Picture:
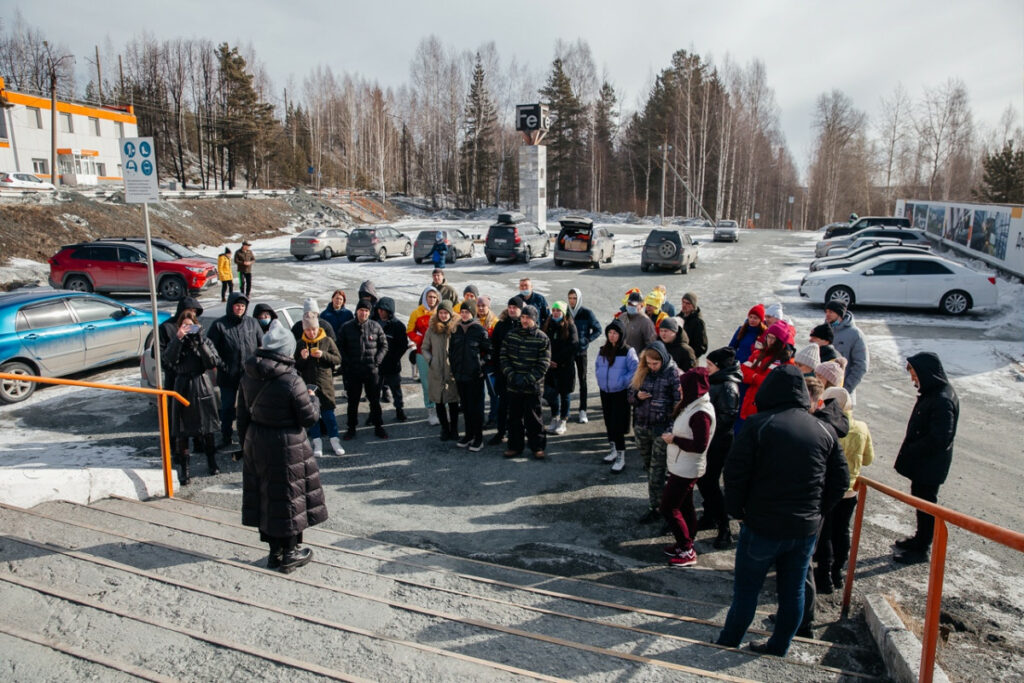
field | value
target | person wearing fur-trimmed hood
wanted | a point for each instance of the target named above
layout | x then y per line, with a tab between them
316	355
444	393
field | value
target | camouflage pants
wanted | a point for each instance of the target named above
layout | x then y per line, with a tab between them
652	450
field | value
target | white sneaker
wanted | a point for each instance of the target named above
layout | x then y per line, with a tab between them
620	462
432	419
560	428
583	417
553	426
336	446
318	448
612	455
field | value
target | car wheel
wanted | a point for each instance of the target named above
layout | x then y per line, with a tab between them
78	283
12	390
327	254
841	294
351	257
418	260
408	249
645	267
547	249
527	255
609	259
694	264
955	303
667	249
559	262
382	254
491	258
684	268
453	255
173	288
597	262
299	257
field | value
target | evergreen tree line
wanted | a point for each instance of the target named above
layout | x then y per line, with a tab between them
703	139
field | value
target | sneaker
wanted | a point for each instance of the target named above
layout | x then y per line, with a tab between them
612	455
510	453
336	446
477	445
583	417
620	463
464	441
495	440
553	426
560	428
350	434
318	448
539	455
379	432
686	559
432	419
672	550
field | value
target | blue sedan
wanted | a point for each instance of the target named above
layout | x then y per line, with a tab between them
54	333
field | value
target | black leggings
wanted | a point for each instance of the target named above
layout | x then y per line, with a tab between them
710	489
226	287
616	417
581	375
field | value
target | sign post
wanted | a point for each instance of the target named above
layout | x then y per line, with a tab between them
533	121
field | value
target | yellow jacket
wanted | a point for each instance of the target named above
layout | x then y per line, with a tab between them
224	267
857	447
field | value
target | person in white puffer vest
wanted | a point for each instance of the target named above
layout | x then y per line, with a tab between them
693	424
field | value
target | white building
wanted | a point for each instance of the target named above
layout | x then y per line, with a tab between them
88	148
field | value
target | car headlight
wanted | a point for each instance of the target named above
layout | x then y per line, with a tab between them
197	271
814	282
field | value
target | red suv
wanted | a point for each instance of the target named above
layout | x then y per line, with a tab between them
112	266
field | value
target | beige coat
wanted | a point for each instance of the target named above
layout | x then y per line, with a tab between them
440	379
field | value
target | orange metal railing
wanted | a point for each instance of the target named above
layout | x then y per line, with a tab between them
937	569
161	394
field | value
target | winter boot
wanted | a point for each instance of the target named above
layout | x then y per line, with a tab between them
400	415
211	459
183	477
453	420
612	455
295	558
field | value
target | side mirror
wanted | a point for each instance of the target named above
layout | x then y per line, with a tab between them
869	272
695	243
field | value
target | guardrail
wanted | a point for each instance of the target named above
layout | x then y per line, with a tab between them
161	394
1009	538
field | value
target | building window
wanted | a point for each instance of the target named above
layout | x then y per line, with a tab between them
119	129
94	125
65	123
35	117
41	166
101	169
3	125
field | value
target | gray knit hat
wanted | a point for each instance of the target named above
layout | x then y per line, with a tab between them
278	340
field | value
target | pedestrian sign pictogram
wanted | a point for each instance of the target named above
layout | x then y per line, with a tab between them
138	167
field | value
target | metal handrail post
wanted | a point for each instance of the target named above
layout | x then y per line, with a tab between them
165	447
930	638
862	496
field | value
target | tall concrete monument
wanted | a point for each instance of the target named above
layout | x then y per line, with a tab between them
533	121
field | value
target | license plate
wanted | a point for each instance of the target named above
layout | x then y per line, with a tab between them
499	241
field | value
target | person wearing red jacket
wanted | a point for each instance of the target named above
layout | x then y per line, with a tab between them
776	350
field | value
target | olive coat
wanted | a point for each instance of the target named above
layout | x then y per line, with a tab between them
440	379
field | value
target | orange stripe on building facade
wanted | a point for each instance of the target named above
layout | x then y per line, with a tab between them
125	116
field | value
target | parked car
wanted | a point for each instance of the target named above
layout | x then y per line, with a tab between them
170	247
287	313
120	266
54	333
908	236
918	280
727	231
579	241
23	181
379	241
323	242
669	248
843	229
867	251
460	245
863	242
513	237
697	223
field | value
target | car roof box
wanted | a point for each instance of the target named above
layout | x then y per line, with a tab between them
511	217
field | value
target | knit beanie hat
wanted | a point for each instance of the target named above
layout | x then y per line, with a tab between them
560	306
310	305
483	301
471	288
278	340
774	310
723	357
468	305
670	323
841	396
310	321
781	331
654	299
446	305
757	310
837	307
830	373
808	356
364	303
691	297
824	333
531	312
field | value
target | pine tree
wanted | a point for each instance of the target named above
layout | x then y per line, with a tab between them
1003	179
244	120
603	183
566	153
478	147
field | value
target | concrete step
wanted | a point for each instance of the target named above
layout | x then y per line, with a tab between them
408	612
28	656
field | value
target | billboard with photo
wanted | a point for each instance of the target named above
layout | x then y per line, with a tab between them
991	232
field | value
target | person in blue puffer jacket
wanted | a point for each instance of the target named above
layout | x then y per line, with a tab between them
615	366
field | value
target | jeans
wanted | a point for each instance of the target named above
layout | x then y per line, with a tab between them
354	387
653	451
524	416
393	381
245	283
925	522
559	403
424	369
755	555
834	540
226	287
708	485
471	395
330	422
228	396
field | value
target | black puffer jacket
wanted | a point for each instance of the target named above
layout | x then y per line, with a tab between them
281	492
467	351
525	357
319	371
362	347
786	467
189	359
655	413
236	340
395	334
927	450
696	332
564	347
168	330
725	396
680	350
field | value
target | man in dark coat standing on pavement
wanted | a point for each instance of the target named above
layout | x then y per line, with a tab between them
784	471
693	324
525	358
363	346
927	449
391	366
236	337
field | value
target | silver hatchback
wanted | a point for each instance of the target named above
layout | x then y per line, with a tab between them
323	242
579	241
379	242
460	245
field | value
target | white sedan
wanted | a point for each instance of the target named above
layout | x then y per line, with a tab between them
923	281
23	181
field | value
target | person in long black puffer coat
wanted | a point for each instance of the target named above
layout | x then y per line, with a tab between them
281	492
189	356
560	379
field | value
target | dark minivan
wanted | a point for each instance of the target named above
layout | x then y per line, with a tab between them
512	237
841	229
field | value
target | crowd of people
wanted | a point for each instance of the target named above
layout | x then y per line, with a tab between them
769	416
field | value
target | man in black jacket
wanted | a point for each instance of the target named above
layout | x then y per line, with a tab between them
391	366
363	348
236	337
785	469
525	358
927	449
693	323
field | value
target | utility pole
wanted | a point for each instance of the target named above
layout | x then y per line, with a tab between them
99	75
664	175
53	64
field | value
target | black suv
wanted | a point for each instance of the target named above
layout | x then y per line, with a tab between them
514	238
841	229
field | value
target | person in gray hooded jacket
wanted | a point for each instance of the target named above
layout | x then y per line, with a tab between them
849	342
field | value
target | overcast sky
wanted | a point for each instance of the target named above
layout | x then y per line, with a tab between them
864	48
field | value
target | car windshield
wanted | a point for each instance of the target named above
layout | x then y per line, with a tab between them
312	232
660	235
728	224
361	232
161	255
429	235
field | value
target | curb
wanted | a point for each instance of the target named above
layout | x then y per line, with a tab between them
900	648
27	487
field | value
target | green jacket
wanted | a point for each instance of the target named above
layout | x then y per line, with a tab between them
525	357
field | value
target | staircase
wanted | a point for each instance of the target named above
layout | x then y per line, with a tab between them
172	590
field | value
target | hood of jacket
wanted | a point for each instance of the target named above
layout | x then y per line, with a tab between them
234	298
931	376
831	414
189	302
579	302
729	373
267	365
386	303
423	296
694	384
264	308
847	321
659	347
368	290
784	387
